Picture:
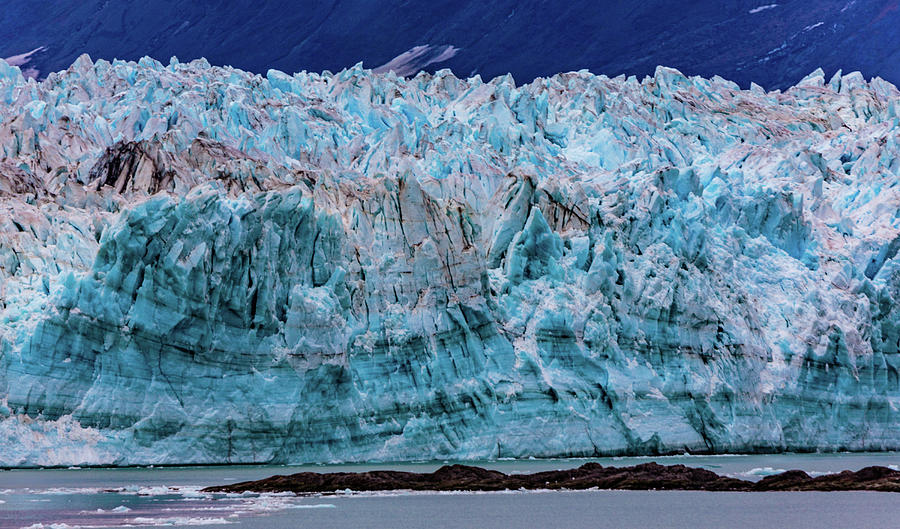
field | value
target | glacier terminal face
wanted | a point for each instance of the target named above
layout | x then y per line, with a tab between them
200	265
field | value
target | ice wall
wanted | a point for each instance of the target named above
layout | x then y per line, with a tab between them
201	265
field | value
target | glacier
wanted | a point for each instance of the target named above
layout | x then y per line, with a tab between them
203	265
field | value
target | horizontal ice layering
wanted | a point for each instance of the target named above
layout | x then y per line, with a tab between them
200	265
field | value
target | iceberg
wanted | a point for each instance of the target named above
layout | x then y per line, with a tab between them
203	265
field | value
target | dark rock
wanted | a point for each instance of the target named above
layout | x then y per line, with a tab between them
783	481
648	476
870	478
133	165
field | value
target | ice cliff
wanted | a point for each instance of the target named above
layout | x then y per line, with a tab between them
202	265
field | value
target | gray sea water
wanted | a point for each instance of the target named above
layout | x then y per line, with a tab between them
151	497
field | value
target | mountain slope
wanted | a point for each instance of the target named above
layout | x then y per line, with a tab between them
772	43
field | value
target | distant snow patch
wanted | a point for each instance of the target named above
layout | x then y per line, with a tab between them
762	8
779	48
414	60
24	58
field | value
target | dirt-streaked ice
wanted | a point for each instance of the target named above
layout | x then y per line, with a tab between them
201	265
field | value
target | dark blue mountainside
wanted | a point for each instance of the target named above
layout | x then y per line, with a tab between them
771	42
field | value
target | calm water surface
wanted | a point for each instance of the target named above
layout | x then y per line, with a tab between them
149	497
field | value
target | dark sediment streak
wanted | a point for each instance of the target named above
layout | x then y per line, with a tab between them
649	476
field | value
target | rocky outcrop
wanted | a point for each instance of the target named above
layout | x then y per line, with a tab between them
199	265
648	476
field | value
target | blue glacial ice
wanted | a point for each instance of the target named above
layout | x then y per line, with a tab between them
200	265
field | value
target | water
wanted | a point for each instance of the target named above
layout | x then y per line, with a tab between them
146	497
601	509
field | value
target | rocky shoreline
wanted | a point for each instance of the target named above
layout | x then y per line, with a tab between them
648	476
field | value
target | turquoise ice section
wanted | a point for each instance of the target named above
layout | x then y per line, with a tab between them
200	265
